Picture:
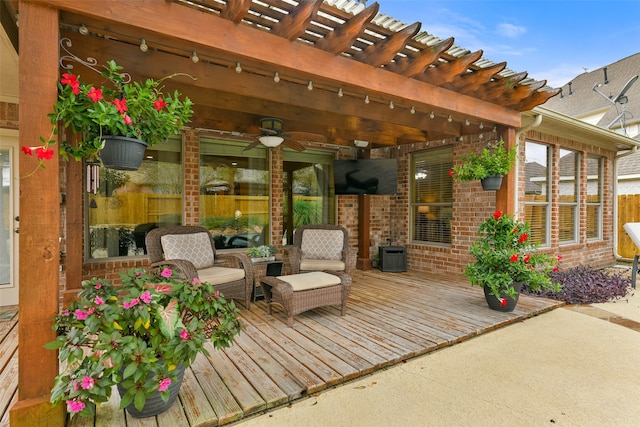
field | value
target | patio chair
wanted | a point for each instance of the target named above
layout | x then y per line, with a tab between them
633	230
320	247
191	251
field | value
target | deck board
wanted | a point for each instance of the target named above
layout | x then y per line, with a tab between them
390	318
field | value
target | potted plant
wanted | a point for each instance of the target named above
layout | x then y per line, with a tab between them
262	253
506	259
489	166
136	112
139	336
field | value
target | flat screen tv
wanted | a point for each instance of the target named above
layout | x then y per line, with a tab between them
366	176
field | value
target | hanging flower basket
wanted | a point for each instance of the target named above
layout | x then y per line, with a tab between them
491	183
122	153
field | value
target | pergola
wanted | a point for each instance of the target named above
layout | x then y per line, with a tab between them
334	67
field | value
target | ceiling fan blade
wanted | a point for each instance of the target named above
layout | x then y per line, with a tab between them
252	145
304	136
293	144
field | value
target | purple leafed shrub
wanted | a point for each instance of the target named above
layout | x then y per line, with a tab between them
584	285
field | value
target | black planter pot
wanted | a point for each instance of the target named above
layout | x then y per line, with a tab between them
491	183
504	303
154	404
122	153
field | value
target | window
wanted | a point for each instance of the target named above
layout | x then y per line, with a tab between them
569	191
432	196
234	193
594	196
127	204
537	191
307	186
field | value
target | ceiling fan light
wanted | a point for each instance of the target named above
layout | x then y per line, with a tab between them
271	141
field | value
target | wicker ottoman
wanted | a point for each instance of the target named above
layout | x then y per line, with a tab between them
297	293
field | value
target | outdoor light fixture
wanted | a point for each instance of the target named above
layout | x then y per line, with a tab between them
391	106
276	77
413	110
83	30
360	143
238	68
310	85
340	94
273	126
432	115
143	46
194	57
271	141
449	119
366	99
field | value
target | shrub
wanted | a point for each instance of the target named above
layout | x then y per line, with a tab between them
584	285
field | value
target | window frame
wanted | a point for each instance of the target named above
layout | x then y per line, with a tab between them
546	243
599	204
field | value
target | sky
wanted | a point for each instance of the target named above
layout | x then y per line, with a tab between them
551	40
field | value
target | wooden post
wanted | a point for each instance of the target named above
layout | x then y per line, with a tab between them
508	193
39	221
364	243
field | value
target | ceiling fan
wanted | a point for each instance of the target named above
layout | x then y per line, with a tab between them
271	135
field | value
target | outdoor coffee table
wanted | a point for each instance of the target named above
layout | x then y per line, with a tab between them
297	293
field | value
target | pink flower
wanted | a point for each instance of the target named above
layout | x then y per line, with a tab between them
95	94
75	405
98	301
87	383
166	272
497	214
98	285
65	312
127	120
195	281
131	303
164	384
81	315
75	385
146	297
184	334
216	295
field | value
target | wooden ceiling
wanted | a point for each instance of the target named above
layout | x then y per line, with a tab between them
436	90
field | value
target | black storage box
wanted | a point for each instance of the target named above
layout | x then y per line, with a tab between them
392	259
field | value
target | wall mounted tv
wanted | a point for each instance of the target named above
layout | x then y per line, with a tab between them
366	176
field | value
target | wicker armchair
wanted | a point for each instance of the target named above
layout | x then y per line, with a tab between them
191	251
320	247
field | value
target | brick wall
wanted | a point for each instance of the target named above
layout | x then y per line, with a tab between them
8	115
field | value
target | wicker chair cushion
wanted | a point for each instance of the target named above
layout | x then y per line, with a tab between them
219	275
322	244
312	280
194	247
321	264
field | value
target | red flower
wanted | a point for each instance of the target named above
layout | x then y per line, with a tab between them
559	258
121	105
526	258
497	214
450	172
159	104
555	268
27	150
503	302
514	258
523	238
44	153
95	94
71	80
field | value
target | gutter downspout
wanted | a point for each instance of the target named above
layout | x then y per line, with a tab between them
615	200
519	133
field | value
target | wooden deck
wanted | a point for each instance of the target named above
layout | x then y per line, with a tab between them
390	317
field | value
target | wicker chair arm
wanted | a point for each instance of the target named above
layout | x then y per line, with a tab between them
294	258
349	256
184	267
238	260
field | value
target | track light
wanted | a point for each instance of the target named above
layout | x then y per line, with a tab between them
391	106
143	46
276	77
194	57
83	30
466	122
481	125
449	119
238	68
340	94
432	115
412	110
310	85
366	99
